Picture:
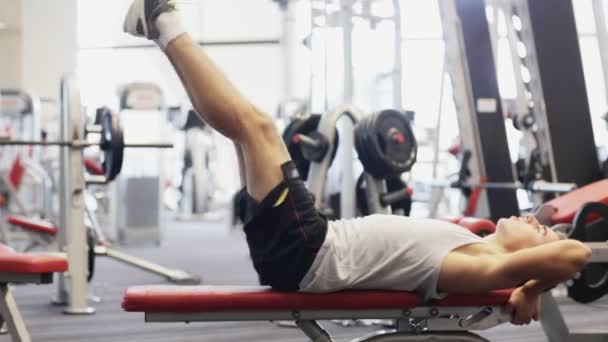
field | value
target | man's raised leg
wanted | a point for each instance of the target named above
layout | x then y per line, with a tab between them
218	102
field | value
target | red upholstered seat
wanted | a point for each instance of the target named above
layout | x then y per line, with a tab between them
478	226
14	262
93	167
188	299
16	173
2	201
34	225
567	205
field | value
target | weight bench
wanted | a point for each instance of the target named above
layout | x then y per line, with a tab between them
41	232
445	320
19	268
584	215
449	319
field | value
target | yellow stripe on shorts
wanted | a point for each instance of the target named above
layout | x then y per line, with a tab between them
281	198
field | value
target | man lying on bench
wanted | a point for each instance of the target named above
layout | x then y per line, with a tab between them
294	248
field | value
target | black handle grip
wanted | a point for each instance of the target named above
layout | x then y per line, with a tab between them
307	141
314	145
390	198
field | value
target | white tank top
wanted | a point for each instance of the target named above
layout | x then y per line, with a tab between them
385	252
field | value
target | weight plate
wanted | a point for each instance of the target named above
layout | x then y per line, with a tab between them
590	225
112	144
386	144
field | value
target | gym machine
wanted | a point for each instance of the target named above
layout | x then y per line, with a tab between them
470	64
73	237
21	116
312	142
386	147
139	218
558	113
199	183
599	13
581	215
547	111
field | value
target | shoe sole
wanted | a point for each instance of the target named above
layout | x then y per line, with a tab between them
143	27
133	18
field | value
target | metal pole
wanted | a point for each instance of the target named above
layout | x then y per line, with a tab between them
458	69
522	101
398	72
318	171
61	297
437	137
289	42
602	38
347	206
12	317
518	10
552	321
74	236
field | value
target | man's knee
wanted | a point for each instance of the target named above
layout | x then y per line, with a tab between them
262	129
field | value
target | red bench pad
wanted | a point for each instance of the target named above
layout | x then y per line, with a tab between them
14	262
474	224
477	225
568	205
34	225
2	201
190	299
93	167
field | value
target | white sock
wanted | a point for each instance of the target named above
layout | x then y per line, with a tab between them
169	26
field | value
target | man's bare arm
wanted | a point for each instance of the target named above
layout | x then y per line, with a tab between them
547	265
536	287
540	267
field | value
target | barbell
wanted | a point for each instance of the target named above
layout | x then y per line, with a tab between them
538	185
111	142
78	144
534	186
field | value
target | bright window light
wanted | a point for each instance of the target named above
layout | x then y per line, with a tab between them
522	52
517	24
525	74
382	8
490	14
320	21
318	5
358	8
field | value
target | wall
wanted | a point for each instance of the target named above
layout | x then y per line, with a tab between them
10	43
49	43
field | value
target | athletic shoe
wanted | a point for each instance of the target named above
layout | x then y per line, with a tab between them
142	15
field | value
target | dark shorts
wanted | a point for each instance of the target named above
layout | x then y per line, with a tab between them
283	239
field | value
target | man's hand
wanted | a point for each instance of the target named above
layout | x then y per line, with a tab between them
524	307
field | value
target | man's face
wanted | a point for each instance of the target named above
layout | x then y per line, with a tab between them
517	233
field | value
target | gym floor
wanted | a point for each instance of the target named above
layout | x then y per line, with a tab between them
220	257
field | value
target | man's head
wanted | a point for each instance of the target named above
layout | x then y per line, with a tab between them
517	233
